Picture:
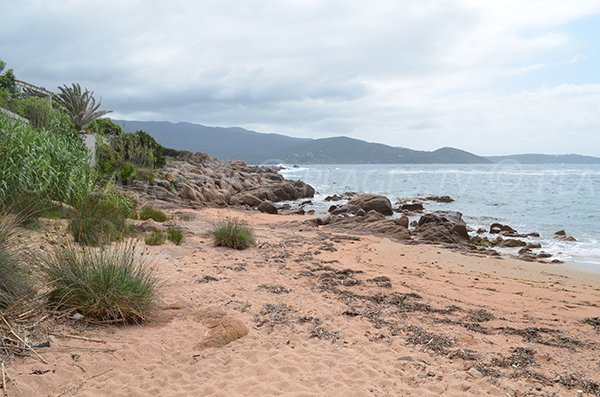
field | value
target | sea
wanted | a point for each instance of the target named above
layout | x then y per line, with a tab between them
530	198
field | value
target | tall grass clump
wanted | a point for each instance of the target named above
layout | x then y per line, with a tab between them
174	235
15	282
233	233
110	284
96	222
155	238
152	213
35	161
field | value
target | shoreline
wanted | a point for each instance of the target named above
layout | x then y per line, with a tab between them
336	313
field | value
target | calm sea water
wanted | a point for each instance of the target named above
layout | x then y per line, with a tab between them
530	198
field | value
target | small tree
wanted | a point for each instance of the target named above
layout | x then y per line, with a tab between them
81	105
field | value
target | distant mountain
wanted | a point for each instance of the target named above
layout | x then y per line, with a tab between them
546	159
257	148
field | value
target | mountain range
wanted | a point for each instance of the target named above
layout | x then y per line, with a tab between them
253	147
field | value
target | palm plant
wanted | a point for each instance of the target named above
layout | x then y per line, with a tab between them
81	105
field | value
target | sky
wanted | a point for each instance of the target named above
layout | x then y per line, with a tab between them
491	77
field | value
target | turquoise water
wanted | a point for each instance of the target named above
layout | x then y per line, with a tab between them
530	198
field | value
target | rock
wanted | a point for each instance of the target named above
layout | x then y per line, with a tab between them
332	208
335	197
512	243
360	212
442	227
187	193
533	234
307	202
560	233
497	228
151	226
323	220
414	224
248	199
222	329
475	373
371	202
440	199
402	221
267	207
412	207
534	245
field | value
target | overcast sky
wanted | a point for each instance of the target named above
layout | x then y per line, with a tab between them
488	76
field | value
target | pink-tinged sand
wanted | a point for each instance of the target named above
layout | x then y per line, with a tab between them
162	357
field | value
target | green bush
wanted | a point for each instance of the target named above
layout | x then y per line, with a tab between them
97	222
37	162
106	127
174	235
155	238
112	284
152	213
15	283
233	233
113	196
37	110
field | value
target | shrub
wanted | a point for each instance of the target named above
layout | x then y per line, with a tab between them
96	222
174	235
113	196
233	233
155	238
15	282
34	161
152	213
112	284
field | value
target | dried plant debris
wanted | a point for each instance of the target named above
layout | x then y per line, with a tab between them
579	382
480	316
381	281
309	320
534	334
330	279
322	333
272	314
521	357
594	322
430	341
464	354
207	279
238	267
275	289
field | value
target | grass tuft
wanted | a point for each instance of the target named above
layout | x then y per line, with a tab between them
155	238
152	213
110	284
174	235
96	222
233	233
15	282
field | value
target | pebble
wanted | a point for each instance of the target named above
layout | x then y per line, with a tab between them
475	373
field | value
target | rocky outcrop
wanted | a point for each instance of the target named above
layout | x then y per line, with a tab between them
366	202
197	180
372	222
442	227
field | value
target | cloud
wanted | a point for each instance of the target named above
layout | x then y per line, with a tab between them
415	73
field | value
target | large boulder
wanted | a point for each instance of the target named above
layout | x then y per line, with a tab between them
267	207
370	202
442	227
246	199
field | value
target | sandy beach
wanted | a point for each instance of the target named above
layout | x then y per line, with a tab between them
317	311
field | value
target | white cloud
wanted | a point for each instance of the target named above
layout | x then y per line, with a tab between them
414	73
